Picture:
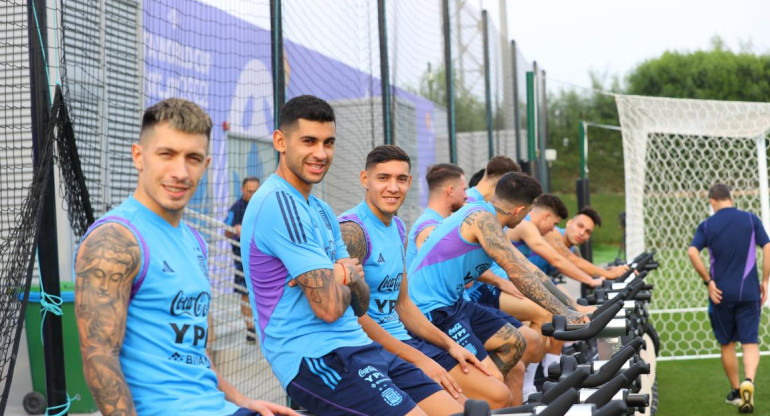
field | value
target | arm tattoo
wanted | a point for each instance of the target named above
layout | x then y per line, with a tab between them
328	299
359	293
560	247
515	265
355	240
106	265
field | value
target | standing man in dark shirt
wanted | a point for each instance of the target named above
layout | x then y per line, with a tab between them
234	218
735	294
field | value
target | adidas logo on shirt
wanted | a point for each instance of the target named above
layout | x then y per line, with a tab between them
381	259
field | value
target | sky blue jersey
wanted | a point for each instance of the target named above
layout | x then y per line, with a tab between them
428	218
284	236
163	356
383	265
446	262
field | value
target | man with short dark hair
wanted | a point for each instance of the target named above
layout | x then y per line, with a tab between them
310	292
142	290
375	235
496	167
735	294
577	231
459	250
249	185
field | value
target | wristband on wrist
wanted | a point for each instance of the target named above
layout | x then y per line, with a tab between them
344	274
708	281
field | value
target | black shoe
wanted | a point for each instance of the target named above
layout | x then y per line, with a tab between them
734	397
251	338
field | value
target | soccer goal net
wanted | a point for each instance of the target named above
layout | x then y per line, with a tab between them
675	149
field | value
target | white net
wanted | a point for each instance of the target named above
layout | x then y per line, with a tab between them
675	149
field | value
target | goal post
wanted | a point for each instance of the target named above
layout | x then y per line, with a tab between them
674	150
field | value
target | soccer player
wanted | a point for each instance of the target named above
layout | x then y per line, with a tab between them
142	291
446	194
565	240
249	185
311	292
496	167
375	236
735	294
459	250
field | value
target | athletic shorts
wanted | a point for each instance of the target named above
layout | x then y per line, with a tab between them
469	324
434	352
488	296
736	321
364	380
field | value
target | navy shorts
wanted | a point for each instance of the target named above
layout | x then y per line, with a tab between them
469	324
364	380
434	352
736	321
486	294
240	280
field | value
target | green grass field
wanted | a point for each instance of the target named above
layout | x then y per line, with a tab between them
699	387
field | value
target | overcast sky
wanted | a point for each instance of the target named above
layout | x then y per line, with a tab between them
571	38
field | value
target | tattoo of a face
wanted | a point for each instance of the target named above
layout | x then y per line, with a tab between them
355	240
106	265
514	263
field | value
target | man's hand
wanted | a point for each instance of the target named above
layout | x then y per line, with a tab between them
353	264
508	287
268	409
439	375
616	271
597	282
585	309
463	357
575	317
715	294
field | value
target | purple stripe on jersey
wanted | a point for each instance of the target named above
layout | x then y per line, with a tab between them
268	280
355	219
751	261
145	252
449	247
200	241
423	225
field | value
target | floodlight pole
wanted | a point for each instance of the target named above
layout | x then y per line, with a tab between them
387	108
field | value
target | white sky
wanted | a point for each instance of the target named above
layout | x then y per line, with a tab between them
570	38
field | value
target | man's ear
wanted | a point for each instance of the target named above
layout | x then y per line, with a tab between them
363	176
279	141
137	156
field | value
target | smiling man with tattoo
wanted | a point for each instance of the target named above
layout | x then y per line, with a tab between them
375	236
142	290
459	250
310	290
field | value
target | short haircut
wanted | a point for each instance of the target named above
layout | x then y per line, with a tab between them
249	179
476	178
440	173
386	153
180	114
518	187
306	107
500	165
552	203
719	192
592	214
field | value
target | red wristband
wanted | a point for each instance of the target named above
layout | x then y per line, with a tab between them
344	274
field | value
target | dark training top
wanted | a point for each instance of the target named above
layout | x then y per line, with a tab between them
731	236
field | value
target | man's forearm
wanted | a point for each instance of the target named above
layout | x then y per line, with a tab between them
105	379
697	263
558	294
359	292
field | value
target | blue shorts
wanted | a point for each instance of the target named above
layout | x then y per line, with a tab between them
469	324
486	294
364	380
736	321
433	352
